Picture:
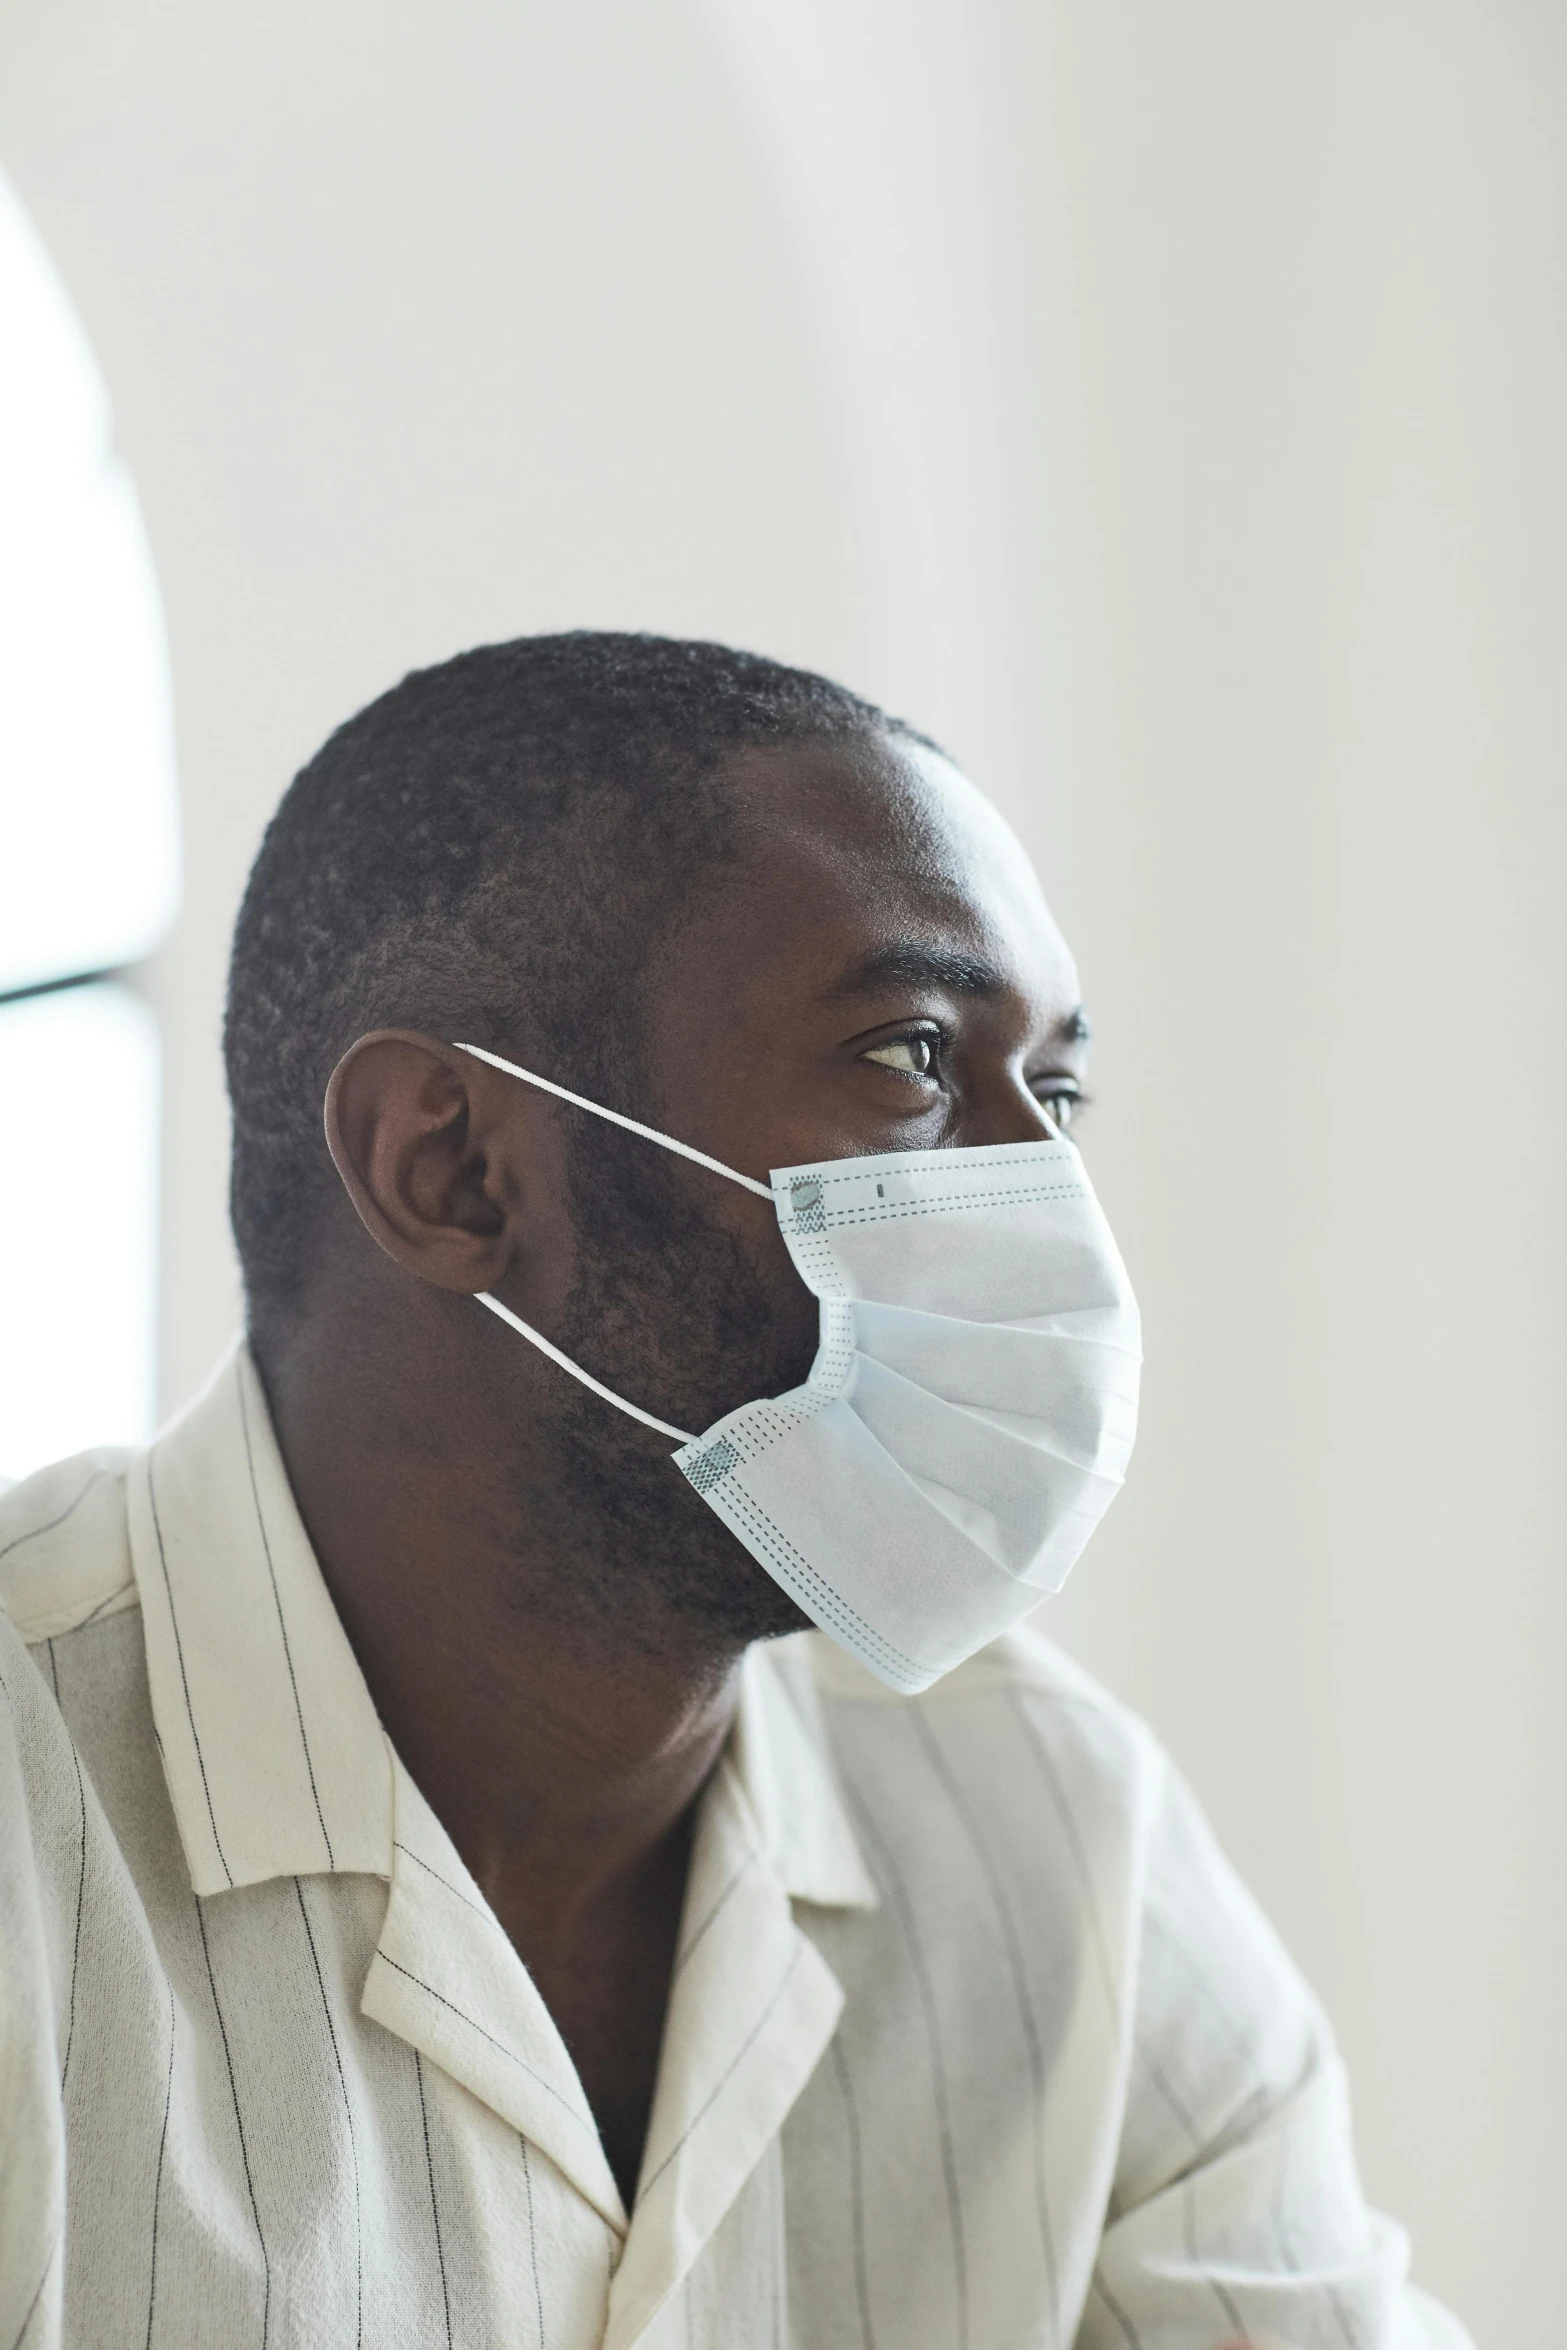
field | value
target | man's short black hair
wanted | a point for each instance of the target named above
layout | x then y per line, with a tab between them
490	851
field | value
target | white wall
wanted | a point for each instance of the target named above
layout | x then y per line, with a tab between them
1163	406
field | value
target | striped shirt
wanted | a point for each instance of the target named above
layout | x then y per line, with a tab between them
973	2040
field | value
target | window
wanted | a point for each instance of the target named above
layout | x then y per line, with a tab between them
89	870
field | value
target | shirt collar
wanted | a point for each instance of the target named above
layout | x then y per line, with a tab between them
779	1759
276	1762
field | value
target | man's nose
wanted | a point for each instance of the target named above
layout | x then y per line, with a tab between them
1002	1107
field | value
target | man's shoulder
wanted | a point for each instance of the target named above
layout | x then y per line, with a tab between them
65	1554
1020	1686
1022	1660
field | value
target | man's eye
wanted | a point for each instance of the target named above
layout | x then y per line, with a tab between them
914	1055
1062	1107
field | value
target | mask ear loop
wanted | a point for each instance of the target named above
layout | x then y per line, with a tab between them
617	1118
649	1134
538	1338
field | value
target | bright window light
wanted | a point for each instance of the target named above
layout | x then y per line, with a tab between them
79	1207
89	842
89	875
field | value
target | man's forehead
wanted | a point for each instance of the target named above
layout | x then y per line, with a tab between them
901	794
879	868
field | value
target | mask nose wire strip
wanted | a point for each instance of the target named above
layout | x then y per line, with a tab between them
616	1118
608	1393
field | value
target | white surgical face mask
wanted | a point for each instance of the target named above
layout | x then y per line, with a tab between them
971	1409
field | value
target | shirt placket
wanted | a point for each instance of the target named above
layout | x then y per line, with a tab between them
752	2008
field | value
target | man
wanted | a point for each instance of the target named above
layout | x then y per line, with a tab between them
448	1893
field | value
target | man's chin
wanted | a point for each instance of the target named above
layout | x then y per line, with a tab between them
637	1553
747	1607
695	1577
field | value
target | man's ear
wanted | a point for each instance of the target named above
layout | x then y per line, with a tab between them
419	1134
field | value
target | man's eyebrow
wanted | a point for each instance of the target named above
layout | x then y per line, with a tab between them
910	962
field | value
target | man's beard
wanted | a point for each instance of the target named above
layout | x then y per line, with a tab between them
669	1311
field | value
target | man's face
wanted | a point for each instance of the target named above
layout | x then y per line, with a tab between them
877	971
866	965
